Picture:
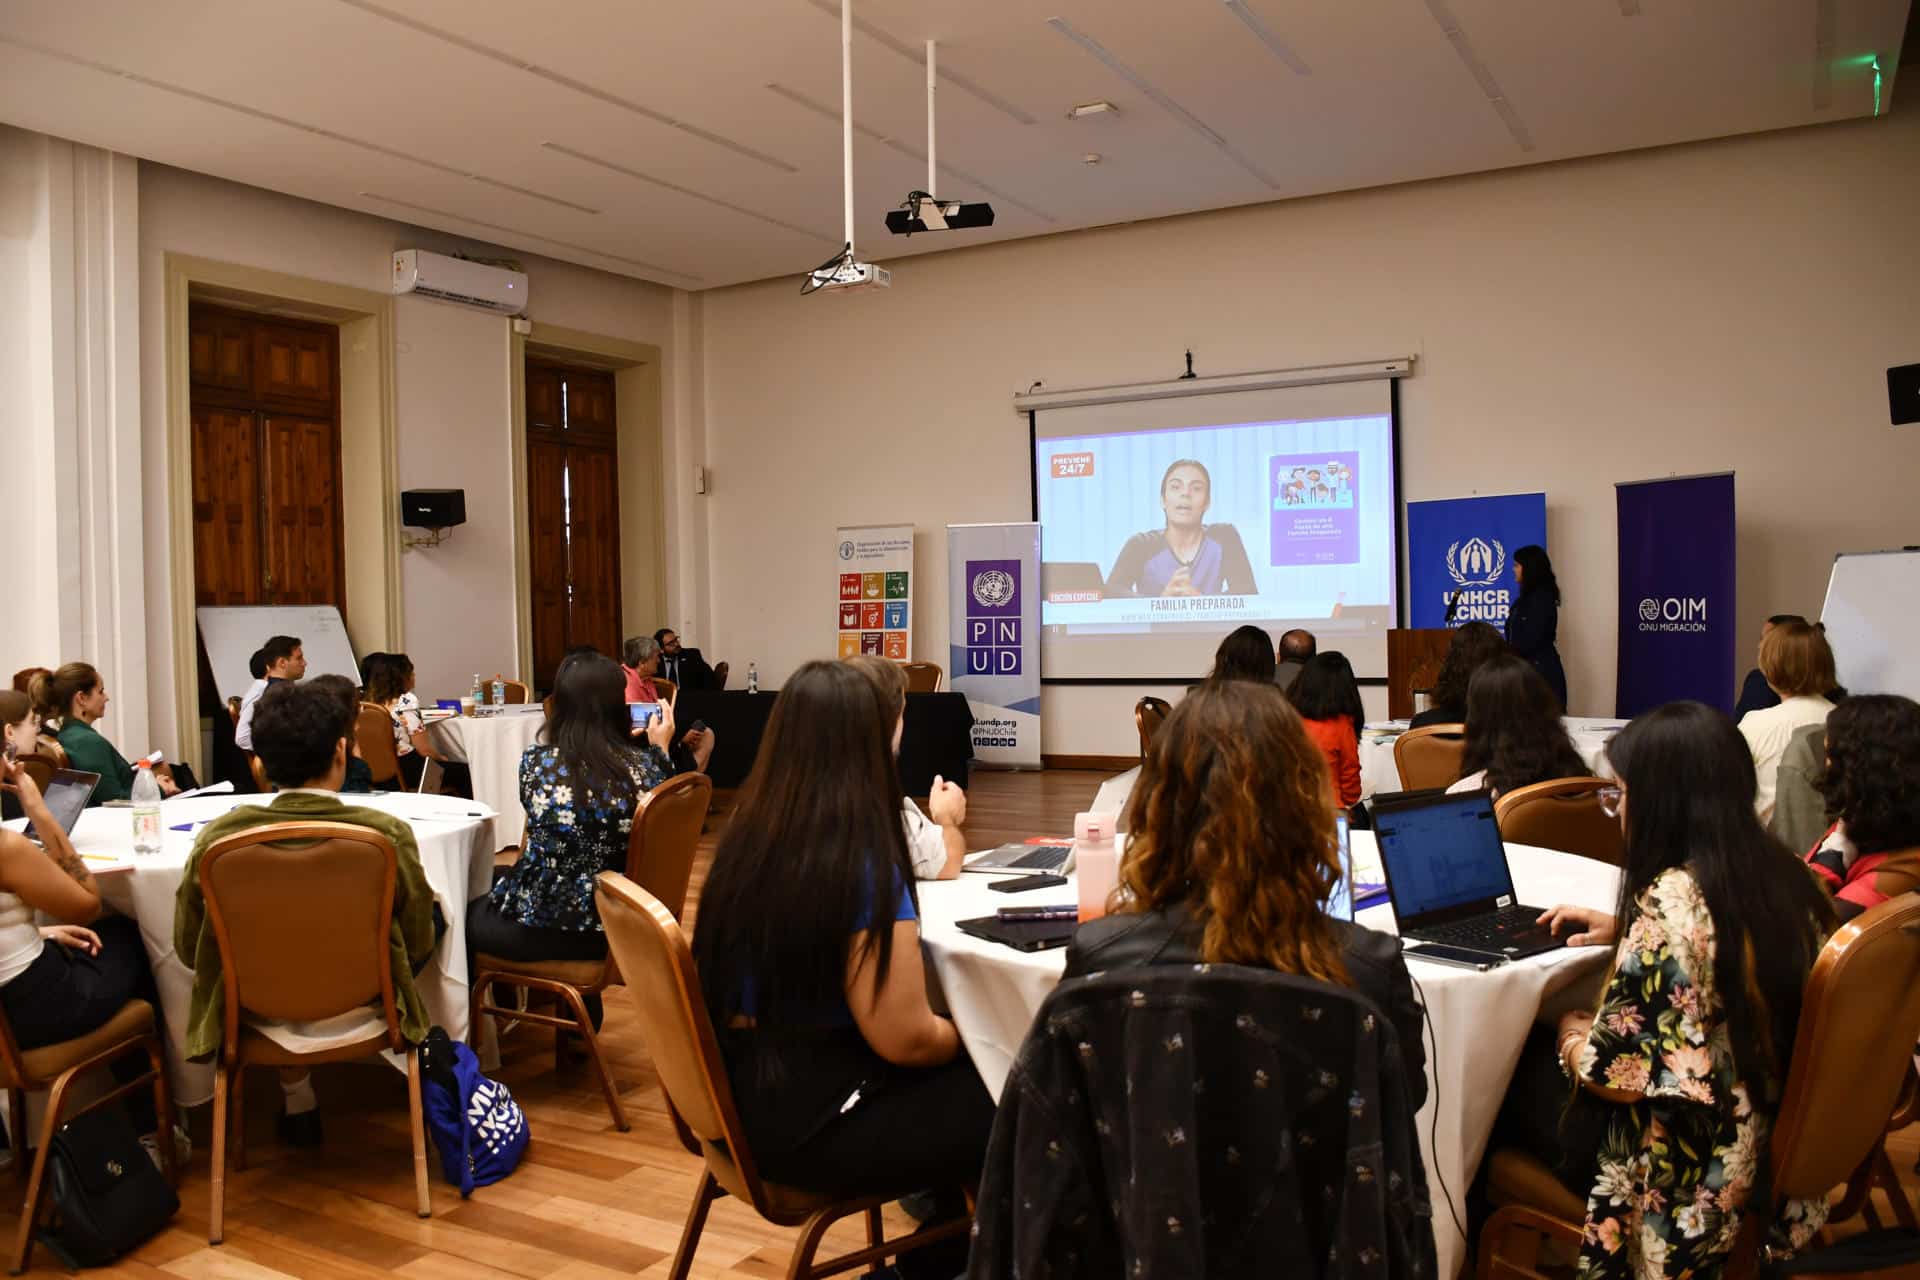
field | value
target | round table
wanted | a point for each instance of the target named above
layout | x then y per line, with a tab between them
1480	1020
456	851
491	745
1379	774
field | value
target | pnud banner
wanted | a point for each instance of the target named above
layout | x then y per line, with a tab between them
1462	553
876	590
993	618
1676	592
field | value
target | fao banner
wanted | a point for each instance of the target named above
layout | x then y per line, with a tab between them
1462	552
993	616
876	590
1676	592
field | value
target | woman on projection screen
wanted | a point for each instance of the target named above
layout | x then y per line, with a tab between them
1188	557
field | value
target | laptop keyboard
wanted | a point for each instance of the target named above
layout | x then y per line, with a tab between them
1046	857
1484	933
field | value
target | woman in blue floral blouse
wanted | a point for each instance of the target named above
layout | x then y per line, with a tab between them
580	784
1675	1083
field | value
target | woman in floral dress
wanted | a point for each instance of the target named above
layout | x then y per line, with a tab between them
1675	1082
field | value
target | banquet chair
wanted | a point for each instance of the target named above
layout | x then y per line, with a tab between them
302	914
1851	1080
373	734
40	768
516	692
646	941
52	1069
1148	715
1563	814
50	748
1429	757
669	691
261	783
661	845
922	677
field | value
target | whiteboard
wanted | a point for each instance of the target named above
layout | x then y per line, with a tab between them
231	634
1872	615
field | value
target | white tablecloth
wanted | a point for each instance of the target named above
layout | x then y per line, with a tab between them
1480	1020
1378	773
455	851
491	746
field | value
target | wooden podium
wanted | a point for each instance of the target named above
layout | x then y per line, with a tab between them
1413	662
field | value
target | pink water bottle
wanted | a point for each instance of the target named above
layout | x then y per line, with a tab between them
1096	862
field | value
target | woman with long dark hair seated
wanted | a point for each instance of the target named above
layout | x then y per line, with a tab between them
580	783
1872	789
1533	623
1232	854
808	945
1515	736
1471	647
1328	699
1678	1073
1246	654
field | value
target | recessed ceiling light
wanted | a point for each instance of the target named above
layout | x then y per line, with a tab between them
1088	109
1092	157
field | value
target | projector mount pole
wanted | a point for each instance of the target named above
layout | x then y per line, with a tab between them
846	113
932	168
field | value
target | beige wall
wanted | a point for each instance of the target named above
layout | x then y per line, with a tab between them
451	374
1731	305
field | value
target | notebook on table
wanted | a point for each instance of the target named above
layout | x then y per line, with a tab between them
1449	880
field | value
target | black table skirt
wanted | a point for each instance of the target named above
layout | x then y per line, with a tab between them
938	737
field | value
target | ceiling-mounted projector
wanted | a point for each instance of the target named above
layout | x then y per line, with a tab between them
847	275
923	212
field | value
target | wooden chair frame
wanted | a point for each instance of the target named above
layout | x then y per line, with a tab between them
568	996
229	1078
383	755
917	673
821	1214
517	691
1423	734
40	768
1159	709
19	1083
1562	791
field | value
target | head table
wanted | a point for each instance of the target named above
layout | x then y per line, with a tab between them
1480	1020
456	844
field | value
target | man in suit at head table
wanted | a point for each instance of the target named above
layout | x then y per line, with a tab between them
685	667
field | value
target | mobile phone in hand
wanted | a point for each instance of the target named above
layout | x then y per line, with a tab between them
643	713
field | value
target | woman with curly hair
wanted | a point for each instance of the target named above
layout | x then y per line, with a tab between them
1515	737
1471	648
1232	857
1872	787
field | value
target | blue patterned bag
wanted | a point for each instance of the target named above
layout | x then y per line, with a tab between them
473	1121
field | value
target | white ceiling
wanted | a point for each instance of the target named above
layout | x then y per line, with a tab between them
697	143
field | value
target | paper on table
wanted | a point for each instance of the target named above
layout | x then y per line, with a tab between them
211	789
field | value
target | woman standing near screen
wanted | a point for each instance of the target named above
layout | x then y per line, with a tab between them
1534	620
1187	557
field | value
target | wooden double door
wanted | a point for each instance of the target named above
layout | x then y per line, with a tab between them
265	400
573	513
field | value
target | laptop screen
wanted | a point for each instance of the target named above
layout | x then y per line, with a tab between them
66	796
1340	905
1441	853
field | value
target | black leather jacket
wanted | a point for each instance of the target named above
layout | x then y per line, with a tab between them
1172	936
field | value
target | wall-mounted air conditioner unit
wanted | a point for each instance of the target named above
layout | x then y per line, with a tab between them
473	284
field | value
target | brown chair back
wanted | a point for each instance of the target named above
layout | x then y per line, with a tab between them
1430	757
665	837
1853	1050
48	746
40	768
302	913
650	948
1563	814
233	710
261	782
516	692
1148	715
667	689
373	734
922	677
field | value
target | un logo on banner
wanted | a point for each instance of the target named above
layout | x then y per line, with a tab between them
1650	610
846	551
1476	562
993	588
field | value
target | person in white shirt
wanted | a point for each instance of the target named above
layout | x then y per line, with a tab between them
280	658
1798	665
934	839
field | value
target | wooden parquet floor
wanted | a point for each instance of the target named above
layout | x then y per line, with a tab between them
587	1203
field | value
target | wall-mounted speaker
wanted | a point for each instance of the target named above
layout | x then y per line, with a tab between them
1903	393
433	508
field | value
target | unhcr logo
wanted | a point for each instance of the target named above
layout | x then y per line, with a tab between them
1476	562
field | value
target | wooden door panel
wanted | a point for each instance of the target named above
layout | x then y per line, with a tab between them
595	548
590	404
219	350
543	399
302	511
547	556
294	363
226	508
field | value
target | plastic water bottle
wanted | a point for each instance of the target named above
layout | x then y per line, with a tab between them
499	690
147	836
753	678
1096	862
479	691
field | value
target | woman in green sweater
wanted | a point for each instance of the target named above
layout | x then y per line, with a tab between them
77	696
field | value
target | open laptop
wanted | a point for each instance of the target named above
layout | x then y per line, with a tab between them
66	795
1448	877
1033	859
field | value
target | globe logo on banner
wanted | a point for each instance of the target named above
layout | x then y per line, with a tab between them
846	551
1649	610
993	588
1674	613
1477	562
